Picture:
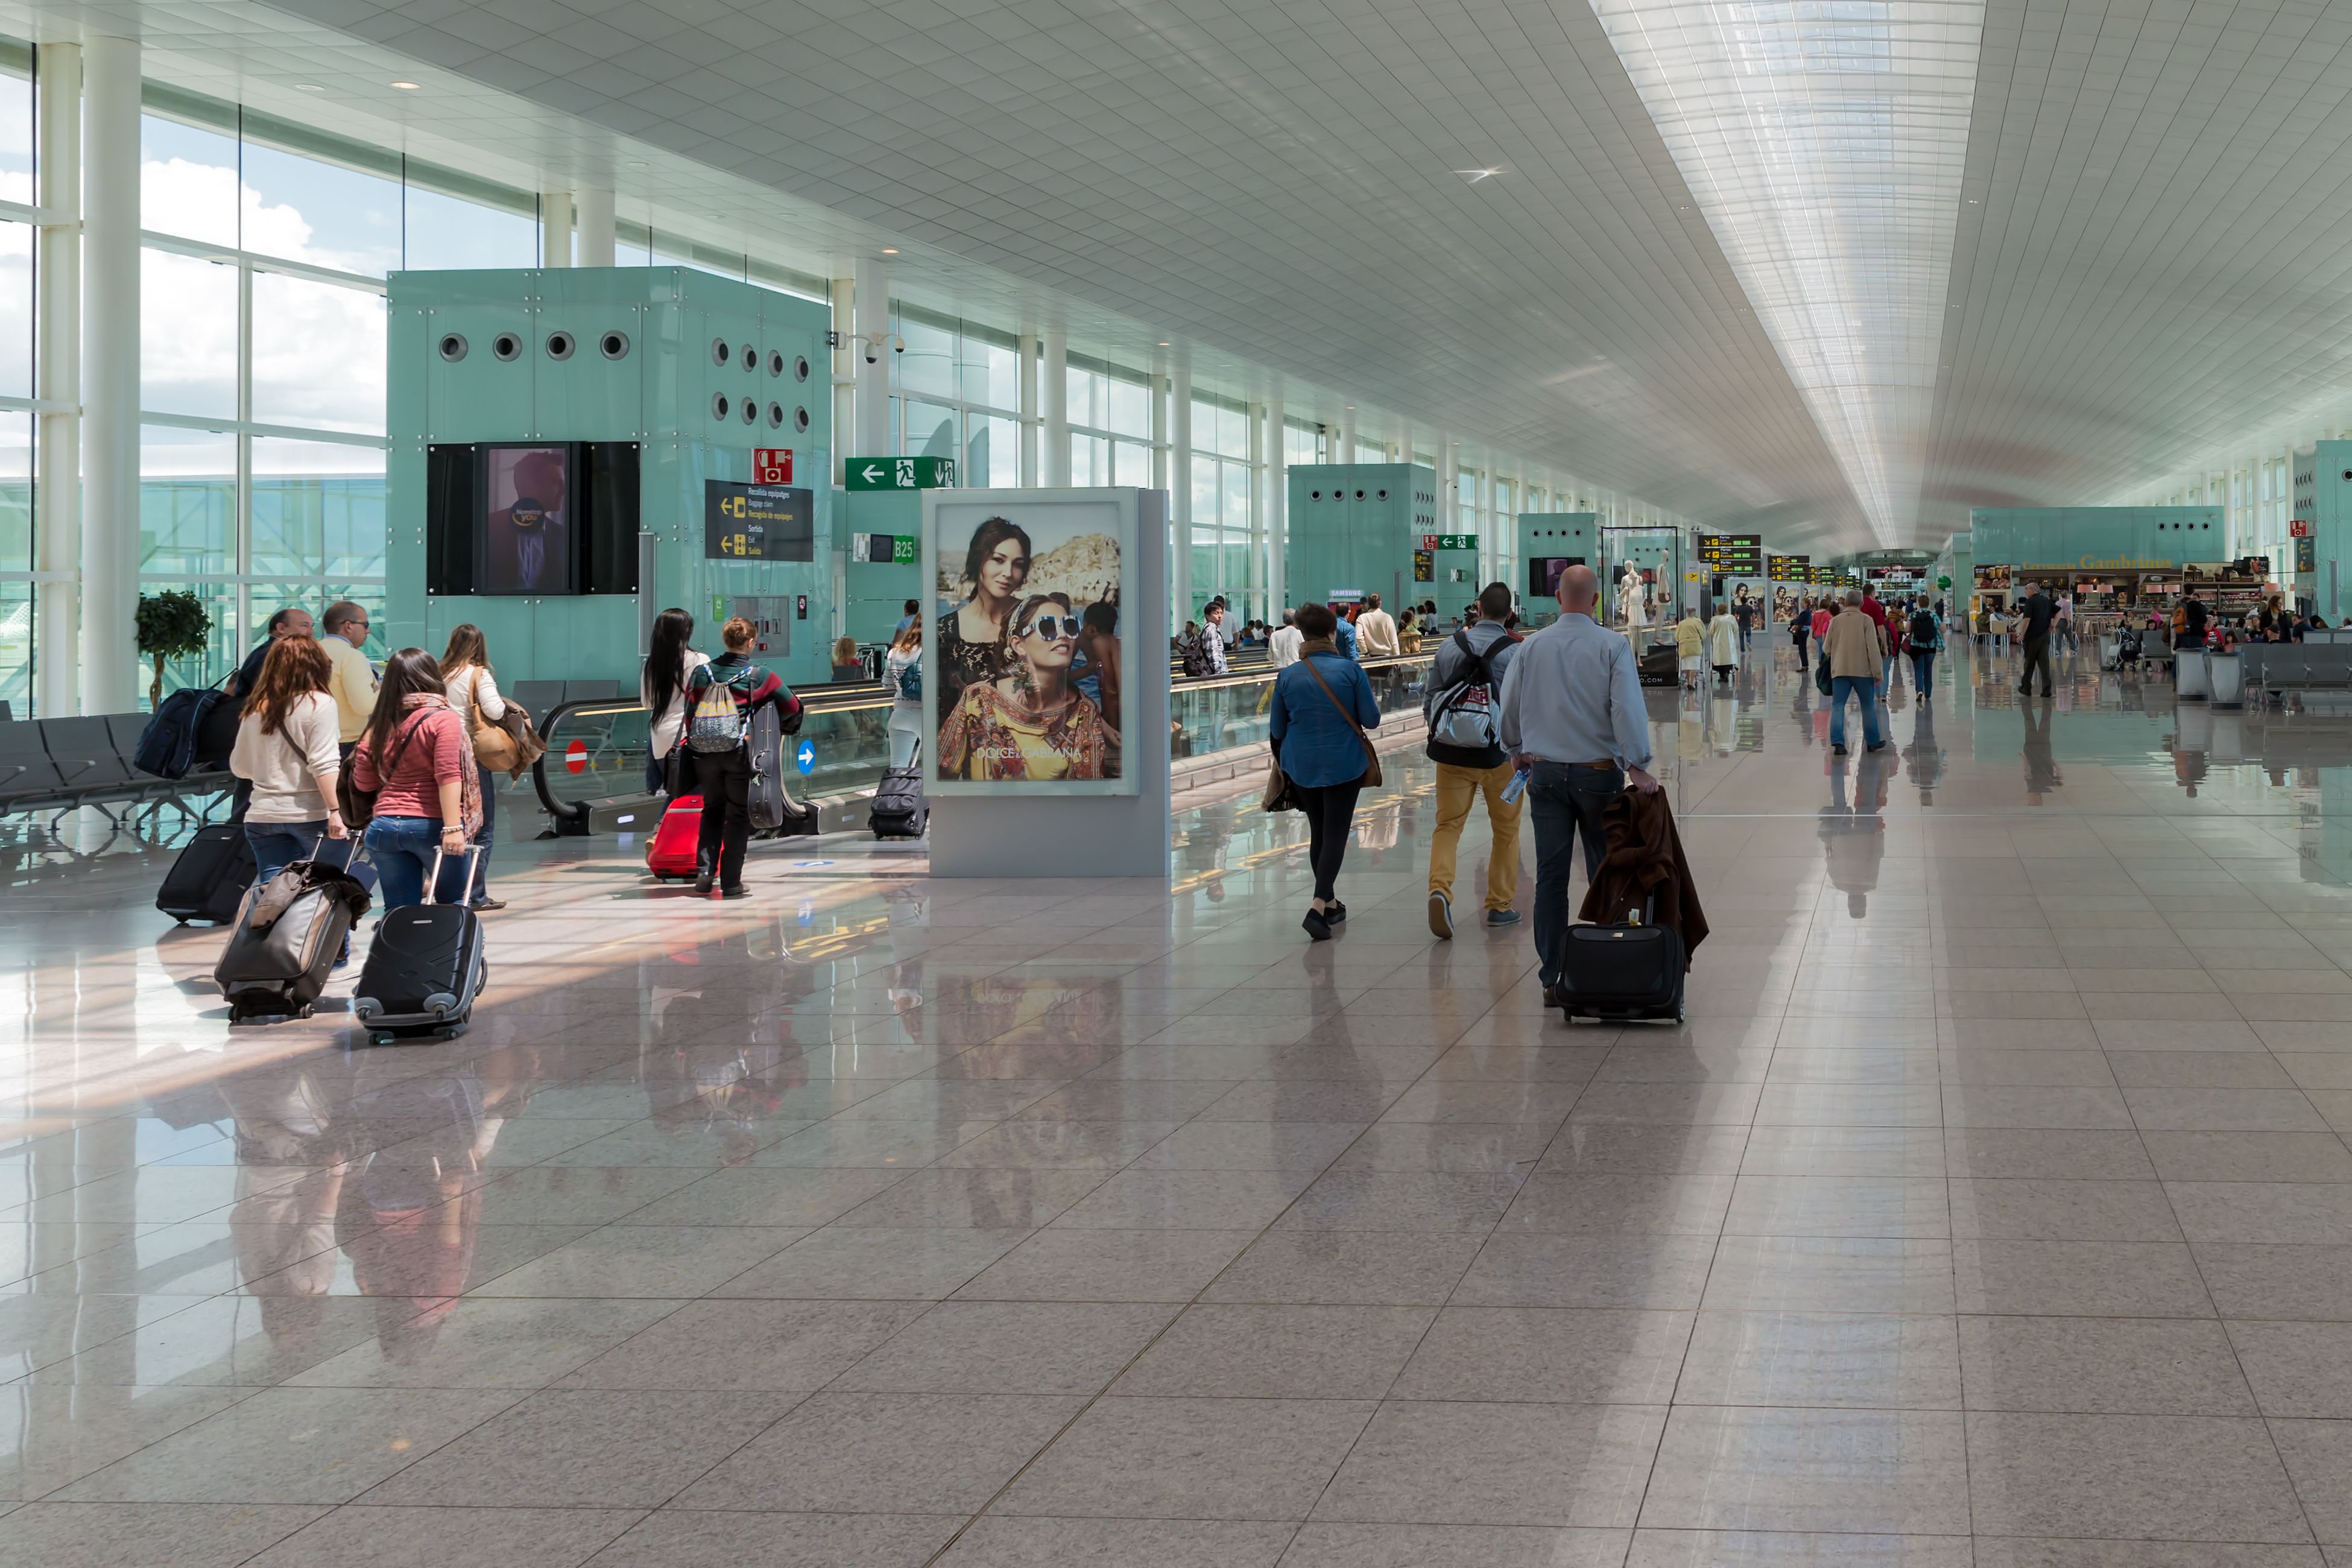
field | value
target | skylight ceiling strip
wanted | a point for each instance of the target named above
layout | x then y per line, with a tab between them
1824	141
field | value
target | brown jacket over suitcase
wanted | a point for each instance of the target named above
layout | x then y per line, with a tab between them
1644	861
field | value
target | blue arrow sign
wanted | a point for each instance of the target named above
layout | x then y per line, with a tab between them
806	756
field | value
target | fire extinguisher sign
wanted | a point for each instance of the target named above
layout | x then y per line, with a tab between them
772	465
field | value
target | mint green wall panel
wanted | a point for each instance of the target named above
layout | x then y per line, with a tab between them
2061	539
1338	541
878	590
659	396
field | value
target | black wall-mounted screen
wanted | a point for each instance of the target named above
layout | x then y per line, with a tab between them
1543	573
537	519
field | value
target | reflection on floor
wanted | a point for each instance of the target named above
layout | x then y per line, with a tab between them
1992	1208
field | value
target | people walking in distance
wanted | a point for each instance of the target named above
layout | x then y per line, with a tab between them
2035	615
1463	714
1323	705
1857	650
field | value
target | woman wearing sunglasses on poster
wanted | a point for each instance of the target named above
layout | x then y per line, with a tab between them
1033	723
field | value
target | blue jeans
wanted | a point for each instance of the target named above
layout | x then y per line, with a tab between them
1923	668
487	836
277	845
1842	687
402	848
1565	799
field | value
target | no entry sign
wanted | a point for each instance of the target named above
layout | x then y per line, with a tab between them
576	756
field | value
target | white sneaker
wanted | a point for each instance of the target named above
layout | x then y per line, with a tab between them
1440	917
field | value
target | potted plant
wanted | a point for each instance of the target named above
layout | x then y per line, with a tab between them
173	624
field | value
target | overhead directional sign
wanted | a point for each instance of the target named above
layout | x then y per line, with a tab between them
1732	554
898	473
1449	542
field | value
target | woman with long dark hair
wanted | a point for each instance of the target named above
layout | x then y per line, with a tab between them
286	749
972	635
662	688
417	759
471	687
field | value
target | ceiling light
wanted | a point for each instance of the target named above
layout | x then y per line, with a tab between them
1475	175
307	87
1163	345
888	250
407	86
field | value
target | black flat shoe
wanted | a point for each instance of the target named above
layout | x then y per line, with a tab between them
1317	925
734	892
1335	911
704	882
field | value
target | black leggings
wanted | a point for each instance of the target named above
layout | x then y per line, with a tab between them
1330	813
724	779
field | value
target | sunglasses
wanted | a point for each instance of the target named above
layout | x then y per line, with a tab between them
1053	628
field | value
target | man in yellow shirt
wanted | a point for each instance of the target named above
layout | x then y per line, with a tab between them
353	684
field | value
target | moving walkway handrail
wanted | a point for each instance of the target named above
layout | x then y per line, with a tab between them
819	699
849	698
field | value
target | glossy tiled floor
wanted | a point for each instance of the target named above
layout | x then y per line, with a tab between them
1991	1209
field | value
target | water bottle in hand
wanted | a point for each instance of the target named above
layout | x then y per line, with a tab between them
1517	787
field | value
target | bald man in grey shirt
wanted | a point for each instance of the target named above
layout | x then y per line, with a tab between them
1573	716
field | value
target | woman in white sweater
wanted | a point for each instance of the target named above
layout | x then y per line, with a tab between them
662	688
905	707
472	686
286	748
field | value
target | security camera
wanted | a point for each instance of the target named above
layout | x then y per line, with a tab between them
873	354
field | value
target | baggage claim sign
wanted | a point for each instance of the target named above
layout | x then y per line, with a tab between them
757	522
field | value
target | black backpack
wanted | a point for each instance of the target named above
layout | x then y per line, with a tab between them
1923	631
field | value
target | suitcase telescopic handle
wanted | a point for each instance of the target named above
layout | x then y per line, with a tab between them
434	880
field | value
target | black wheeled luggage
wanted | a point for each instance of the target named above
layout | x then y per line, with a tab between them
899	809
1622	972
774	812
208	880
287	935
424	969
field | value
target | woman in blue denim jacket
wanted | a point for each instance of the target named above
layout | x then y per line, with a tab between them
1323	754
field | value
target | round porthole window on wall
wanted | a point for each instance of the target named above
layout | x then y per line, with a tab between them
558	345
453	347
1383	496
800	419
1360	495
719	406
506	346
751	411
613	345
775	416
800	367
1314	495
751	359
775	362
719	353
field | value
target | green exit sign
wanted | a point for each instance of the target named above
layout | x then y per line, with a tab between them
1449	542
899	473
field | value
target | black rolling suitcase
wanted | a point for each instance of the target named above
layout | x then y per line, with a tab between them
899	809
1621	972
208	880
288	934
772	810
424	969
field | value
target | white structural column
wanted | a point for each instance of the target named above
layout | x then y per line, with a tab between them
1347	453
845	365
1278	508
109	375
596	216
871	432
555	229
1159	431
1180	494
58	598
1054	389
1262	471
1027	392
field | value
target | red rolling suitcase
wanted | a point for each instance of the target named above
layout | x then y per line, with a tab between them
673	850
